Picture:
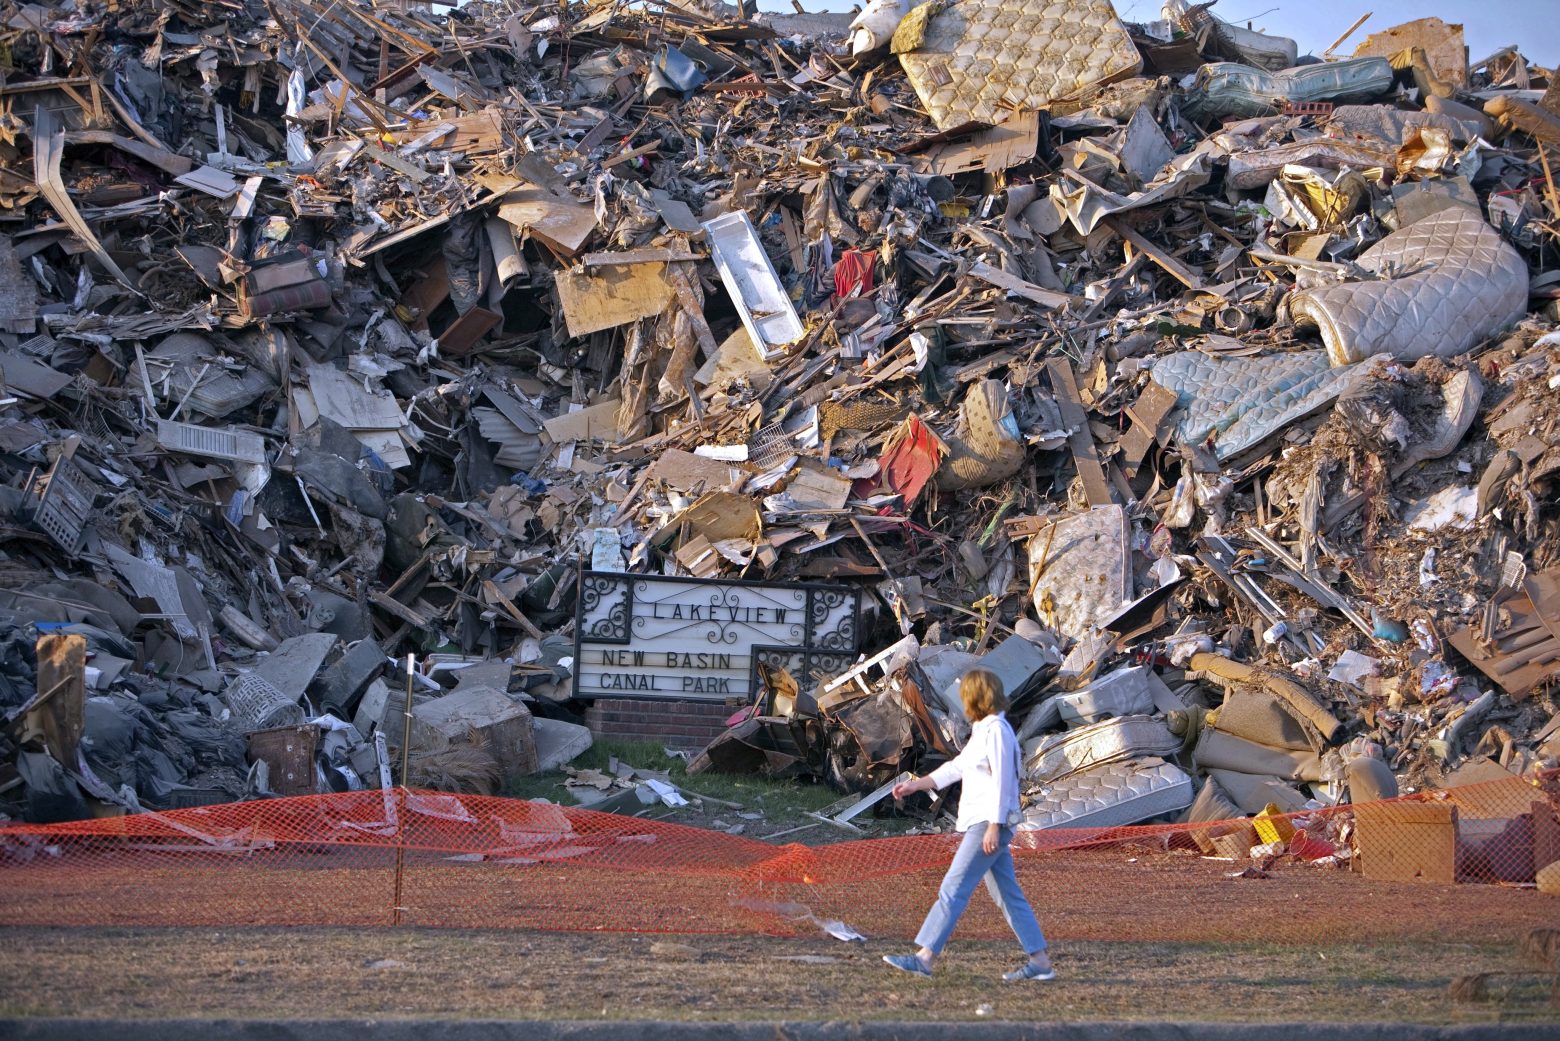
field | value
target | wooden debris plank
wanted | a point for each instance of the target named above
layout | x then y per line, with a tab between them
1177	270
633	153
496	596
400	610
1019	287
1148	416
1080	440
410	170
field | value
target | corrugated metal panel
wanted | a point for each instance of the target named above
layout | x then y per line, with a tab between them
217	444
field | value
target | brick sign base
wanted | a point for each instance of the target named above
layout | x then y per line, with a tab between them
678	724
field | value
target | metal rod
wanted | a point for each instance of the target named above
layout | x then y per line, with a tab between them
400	829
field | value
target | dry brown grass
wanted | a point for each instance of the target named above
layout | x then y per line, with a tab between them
327	973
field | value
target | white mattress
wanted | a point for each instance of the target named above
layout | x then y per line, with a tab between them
1110	796
1447	282
1240	402
1055	756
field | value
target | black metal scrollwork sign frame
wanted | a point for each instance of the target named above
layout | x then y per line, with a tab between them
690	639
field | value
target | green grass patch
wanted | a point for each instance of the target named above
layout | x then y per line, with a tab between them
784	802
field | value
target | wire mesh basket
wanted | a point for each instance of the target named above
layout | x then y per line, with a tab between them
256	704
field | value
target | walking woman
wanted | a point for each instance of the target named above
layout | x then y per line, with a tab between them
988	808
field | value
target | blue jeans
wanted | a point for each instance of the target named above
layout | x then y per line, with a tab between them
970	865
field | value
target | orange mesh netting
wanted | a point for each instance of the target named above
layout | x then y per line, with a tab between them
465	861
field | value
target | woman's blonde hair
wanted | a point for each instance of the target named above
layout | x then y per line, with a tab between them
982	693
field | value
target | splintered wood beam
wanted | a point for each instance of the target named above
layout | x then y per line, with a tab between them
1085	455
1173	267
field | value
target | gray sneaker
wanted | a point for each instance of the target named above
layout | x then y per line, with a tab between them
1030	971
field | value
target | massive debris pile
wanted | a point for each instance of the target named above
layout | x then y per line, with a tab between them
1203	390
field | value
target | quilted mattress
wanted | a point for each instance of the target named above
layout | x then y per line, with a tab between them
1110	796
1134	691
1240	402
1056	756
1457	282
1224	88
981	60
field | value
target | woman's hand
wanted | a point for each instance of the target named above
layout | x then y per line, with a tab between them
910	787
993	836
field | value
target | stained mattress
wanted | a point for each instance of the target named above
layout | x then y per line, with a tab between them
1394	126
1459	282
988	446
1057	756
1240	402
981	60
1111	796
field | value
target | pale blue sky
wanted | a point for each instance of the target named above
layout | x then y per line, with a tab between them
1532	25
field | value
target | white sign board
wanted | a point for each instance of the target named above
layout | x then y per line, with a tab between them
643	636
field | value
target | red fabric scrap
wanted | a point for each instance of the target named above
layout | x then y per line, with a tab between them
911	458
853	272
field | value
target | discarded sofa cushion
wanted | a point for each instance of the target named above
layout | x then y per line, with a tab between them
1462	113
1369	780
1218	750
1110	796
1058	756
980	60
1212	804
988	446
1251	793
1258	716
1238	403
1313	712
1214	807
1457	282
1515	113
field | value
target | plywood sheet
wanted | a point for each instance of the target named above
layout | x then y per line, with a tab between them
1442	41
613	295
594	422
558	221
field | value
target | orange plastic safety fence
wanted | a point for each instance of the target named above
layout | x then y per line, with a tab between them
434	859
